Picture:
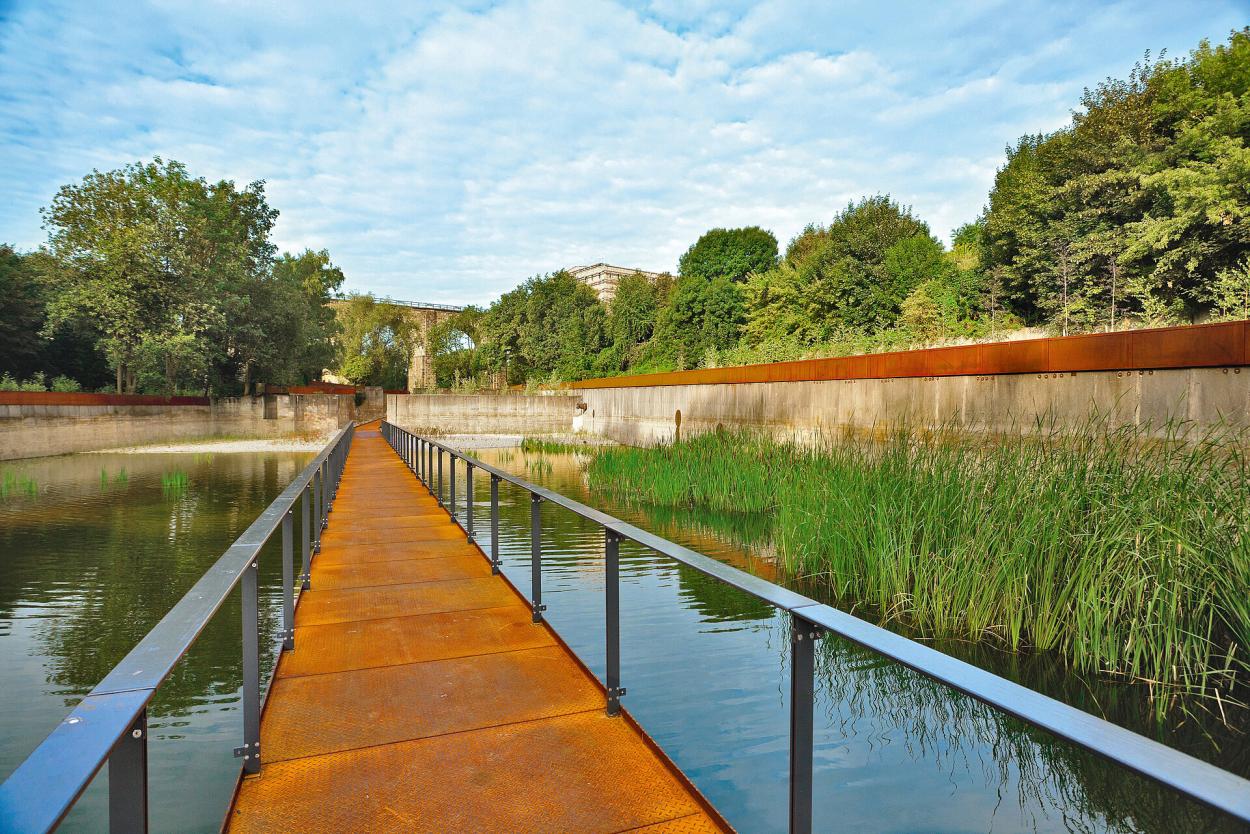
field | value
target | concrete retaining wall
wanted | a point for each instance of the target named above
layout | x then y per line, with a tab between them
36	430
1006	403
546	413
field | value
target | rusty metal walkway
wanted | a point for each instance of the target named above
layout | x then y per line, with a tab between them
420	696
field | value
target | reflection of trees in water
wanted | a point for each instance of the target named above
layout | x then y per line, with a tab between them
866	696
130	560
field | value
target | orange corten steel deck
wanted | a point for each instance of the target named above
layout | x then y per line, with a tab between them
421	697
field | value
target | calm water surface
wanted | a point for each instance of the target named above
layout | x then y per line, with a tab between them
706	670
96	548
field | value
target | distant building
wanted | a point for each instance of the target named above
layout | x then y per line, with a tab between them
603	278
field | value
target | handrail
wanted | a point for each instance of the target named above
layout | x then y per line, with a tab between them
110	723
1193	777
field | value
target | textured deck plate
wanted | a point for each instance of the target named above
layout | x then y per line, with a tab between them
421	697
581	772
360	645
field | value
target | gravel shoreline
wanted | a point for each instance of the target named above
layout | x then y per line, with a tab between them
275	444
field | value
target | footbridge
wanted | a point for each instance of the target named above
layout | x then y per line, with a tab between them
417	690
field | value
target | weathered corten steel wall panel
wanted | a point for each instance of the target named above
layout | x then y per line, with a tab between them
1195	346
82	398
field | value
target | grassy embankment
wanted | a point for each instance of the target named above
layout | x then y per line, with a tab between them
1125	555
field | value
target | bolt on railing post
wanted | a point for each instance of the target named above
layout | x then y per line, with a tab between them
251	671
803	636
468	501
452	462
305	540
494	524
128	779
288	580
536	557
612	608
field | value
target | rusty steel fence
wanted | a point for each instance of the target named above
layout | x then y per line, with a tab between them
809	622
110	724
1226	344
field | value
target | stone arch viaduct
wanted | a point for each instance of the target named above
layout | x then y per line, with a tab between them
425	316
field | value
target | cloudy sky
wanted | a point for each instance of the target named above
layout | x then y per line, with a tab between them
445	154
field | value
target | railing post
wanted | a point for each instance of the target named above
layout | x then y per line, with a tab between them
468	501
803	636
429	469
251	672
494	524
439	496
316	510
128	779
536	557
612	608
421	459
305	540
452	463
325	494
288	580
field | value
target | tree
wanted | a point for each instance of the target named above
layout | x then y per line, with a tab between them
552	325
376	342
729	253
701	316
1134	209
452	347
157	259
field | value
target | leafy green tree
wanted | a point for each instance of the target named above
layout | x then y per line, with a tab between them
552	325
1133	210
729	253
376	342
157	259
702	316
452	346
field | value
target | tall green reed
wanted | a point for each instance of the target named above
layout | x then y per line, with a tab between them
1123	550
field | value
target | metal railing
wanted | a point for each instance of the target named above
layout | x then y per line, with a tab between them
811	620
111	723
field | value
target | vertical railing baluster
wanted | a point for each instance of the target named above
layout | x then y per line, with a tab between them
128	780
325	494
305	539
536	557
468	501
429	481
494	523
612	608
251	671
288	580
802	704
421	459
452	462
316	511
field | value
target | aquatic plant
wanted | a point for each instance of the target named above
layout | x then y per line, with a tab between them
17	483
1124	550
538	445
174	484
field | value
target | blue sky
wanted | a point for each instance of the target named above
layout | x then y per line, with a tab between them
446	153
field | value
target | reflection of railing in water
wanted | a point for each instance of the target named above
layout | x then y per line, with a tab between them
810	620
110	723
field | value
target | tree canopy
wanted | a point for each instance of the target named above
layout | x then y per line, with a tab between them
174	281
729	253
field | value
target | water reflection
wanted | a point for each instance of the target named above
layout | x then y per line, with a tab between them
92	558
706	670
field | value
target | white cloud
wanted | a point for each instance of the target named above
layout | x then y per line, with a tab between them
448	154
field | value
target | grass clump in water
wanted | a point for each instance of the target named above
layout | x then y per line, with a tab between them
537	445
1123	550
